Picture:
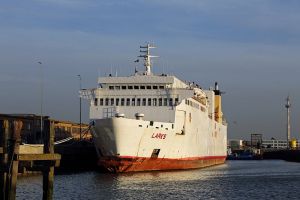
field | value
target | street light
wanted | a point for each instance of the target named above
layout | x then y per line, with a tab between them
79	76
40	63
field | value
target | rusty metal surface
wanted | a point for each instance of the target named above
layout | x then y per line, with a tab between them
150	164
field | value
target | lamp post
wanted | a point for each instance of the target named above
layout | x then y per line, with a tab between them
41	119
79	77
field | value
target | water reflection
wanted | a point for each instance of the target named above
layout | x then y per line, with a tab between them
233	180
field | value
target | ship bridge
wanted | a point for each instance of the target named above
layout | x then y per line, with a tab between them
142	82
144	93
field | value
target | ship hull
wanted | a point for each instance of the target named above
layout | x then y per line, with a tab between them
135	164
128	145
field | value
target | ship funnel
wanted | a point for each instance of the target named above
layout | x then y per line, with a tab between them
216	86
218	104
139	116
216	90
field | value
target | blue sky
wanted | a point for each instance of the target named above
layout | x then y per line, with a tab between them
250	47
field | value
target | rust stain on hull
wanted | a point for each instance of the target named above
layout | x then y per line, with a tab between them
135	164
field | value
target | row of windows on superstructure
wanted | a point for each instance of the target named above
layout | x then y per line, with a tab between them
194	105
136	101
136	87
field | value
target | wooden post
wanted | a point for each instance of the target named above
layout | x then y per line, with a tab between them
48	173
9	141
13	181
16	138
4	133
10	156
2	169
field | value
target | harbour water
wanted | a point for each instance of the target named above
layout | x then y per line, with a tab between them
263	179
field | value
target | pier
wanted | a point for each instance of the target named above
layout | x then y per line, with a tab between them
11	157
76	156
292	155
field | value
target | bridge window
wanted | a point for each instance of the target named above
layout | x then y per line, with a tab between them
148	87
111	87
133	101
106	101
117	101
154	102
122	101
130	87
142	87
144	102
117	87
138	101
149	102
123	87
128	102
161	87
155	87
112	101
101	102
96	102
136	87
165	101
170	102
160	102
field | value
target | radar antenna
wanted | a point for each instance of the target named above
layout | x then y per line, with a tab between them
147	57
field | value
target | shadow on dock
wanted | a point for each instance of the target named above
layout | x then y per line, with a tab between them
284	154
76	156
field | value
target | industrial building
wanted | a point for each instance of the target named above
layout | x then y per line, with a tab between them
235	144
31	128
278	144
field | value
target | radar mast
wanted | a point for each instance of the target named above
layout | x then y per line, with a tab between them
147	57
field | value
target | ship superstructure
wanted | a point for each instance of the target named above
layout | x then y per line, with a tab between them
156	122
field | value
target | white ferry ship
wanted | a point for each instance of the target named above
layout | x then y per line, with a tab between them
150	122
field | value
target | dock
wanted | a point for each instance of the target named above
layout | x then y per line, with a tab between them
292	155
11	157
77	156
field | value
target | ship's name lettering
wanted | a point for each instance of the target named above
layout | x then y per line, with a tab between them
159	136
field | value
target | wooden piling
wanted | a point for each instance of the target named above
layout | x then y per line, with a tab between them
10	157
16	139
48	173
4	131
